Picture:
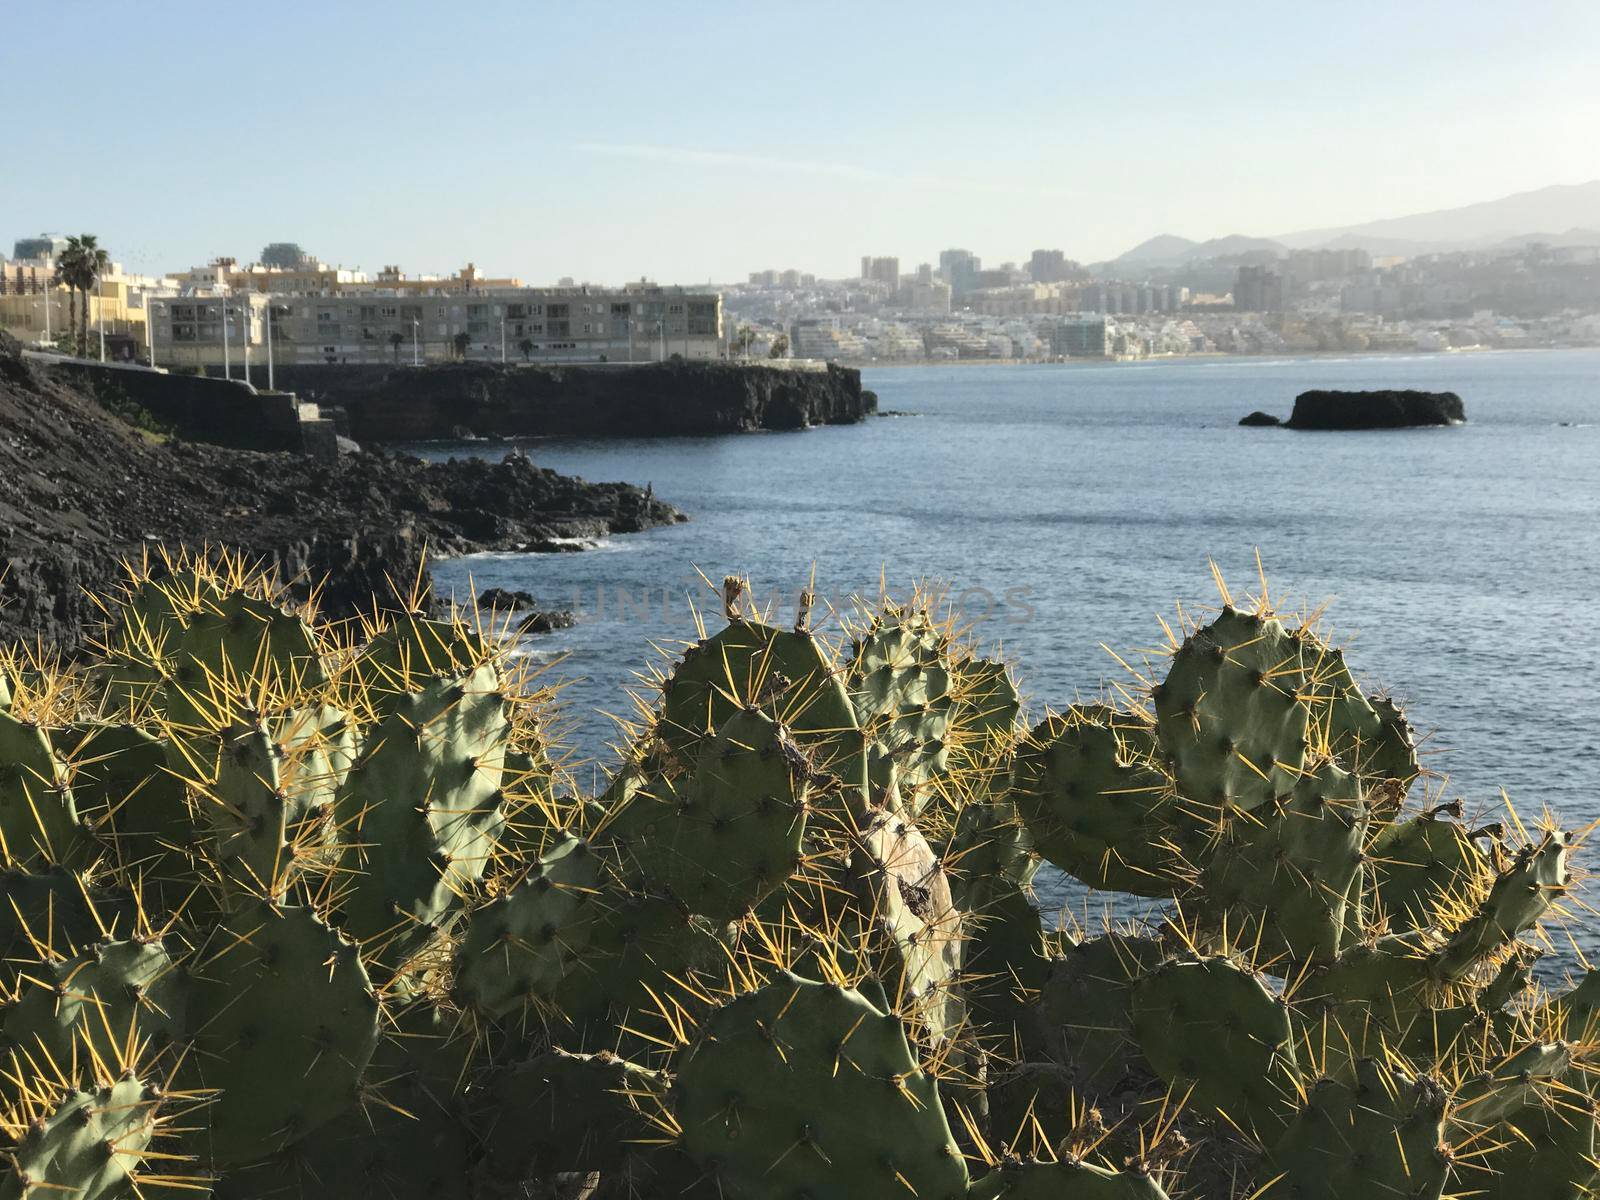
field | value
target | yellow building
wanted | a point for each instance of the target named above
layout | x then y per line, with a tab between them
34	308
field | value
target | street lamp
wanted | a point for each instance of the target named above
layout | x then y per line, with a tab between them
227	361
416	342
502	341
100	288
271	382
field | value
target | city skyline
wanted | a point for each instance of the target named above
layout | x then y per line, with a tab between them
560	146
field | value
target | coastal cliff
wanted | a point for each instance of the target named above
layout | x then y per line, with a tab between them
402	403
81	489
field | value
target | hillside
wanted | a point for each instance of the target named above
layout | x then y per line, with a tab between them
1514	218
80	491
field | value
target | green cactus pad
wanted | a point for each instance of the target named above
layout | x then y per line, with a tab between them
1520	896
1064	1180
520	945
1097	808
730	835
1418	862
285	1021
122	782
639	948
1285	874
1086	1005
1230	714
1214	1027
52	914
90	1148
97	1000
1379	1136
1371	738
808	1088
1542	1153
787	674
39	819
414	651
900	686
570	1112
1523	1079
422	812
989	854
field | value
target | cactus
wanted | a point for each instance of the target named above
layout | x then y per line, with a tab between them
727	836
335	887
809	1086
421	810
520	945
1062	1180
285	1021
1097	807
1378	1136
789	675
92	1004
89	1144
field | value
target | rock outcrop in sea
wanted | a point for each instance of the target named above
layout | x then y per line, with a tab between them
1367	410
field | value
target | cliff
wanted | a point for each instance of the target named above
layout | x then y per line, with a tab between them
402	403
1375	410
80	490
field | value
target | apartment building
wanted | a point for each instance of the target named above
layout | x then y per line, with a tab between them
637	323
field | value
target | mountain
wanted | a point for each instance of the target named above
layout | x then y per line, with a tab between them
1169	250
1164	247
1473	226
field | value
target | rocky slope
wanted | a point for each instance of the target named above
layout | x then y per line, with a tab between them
80	490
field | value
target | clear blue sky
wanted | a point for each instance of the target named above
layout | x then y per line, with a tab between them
703	140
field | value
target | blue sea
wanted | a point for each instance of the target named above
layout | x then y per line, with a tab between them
1068	507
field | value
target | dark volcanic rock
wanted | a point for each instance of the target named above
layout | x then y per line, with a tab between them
1375	410
500	600
401	404
80	491
1260	418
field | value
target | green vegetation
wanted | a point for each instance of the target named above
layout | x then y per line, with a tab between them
294	908
79	268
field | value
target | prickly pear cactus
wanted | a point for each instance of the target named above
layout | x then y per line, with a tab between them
1230	714
1215	1031
90	1144
808	1087
1057	1180
421	811
1096	806
1378	1136
285	1021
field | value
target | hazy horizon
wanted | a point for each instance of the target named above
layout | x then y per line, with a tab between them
702	145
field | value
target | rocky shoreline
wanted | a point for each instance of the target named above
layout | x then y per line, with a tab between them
81	490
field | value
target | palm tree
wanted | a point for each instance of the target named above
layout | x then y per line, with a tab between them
96	262
526	346
69	273
395	340
462	341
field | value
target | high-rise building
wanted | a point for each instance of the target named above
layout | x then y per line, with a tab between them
1258	289
960	268
881	270
924	273
1048	266
46	245
1081	337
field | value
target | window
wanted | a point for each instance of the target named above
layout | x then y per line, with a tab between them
557	310
559	328
183	333
621	310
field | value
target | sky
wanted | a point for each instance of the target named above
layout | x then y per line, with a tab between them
700	141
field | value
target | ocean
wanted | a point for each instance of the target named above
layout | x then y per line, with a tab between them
1067	507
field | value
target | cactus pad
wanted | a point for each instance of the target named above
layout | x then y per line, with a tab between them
808	1088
